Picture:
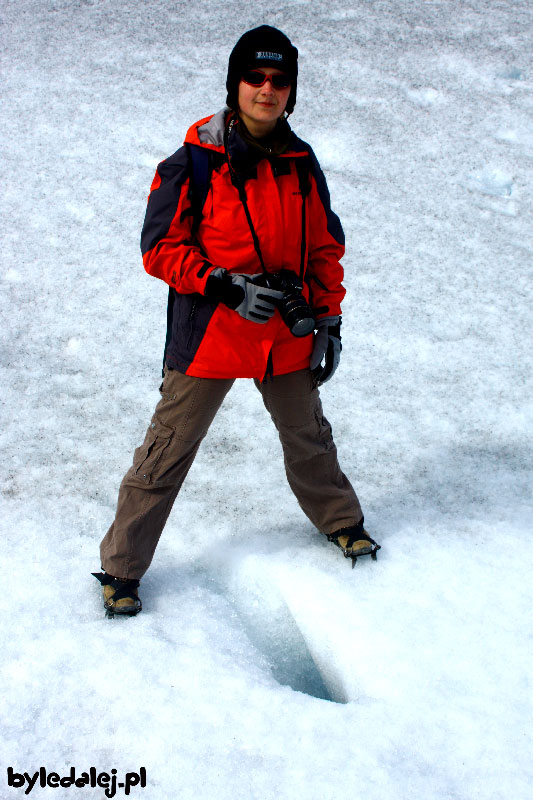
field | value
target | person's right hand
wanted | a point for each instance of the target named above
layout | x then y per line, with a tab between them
258	303
242	294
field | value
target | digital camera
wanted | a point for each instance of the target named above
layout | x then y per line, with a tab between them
293	307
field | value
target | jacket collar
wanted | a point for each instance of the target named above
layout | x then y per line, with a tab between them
210	133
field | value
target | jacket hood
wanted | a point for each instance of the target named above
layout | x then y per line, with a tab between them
209	133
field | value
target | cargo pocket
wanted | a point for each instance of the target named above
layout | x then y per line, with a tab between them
164	394
325	433
149	456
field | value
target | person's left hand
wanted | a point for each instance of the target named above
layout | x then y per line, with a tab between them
327	346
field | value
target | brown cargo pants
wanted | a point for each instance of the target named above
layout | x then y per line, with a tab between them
182	417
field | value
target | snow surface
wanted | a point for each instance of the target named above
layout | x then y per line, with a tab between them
262	666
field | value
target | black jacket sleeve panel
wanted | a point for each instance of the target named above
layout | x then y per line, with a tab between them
164	198
334	223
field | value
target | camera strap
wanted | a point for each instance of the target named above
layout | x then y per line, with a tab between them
302	170
257	246
238	182
304	183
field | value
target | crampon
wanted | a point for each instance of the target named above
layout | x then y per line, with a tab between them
120	596
354	542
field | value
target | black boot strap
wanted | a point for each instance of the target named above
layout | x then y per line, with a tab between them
123	589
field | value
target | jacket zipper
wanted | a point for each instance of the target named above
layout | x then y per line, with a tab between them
192	313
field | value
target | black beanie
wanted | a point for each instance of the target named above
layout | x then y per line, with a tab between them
262	47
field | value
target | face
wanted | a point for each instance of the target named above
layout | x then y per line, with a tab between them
260	107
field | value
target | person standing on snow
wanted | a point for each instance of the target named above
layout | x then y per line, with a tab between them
251	277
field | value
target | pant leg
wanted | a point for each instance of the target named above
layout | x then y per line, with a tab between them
321	488
182	417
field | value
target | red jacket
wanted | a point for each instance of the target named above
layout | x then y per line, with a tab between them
207	338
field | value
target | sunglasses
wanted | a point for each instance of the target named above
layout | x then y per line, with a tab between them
255	77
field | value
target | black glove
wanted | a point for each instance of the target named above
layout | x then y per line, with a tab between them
242	294
327	346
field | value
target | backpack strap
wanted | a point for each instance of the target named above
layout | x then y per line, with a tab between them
200	161
200	170
303	171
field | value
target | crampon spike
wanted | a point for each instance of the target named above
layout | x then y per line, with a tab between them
350	555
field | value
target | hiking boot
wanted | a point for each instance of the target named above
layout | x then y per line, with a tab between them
120	596
354	542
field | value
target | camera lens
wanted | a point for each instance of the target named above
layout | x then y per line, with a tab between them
296	314
303	327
